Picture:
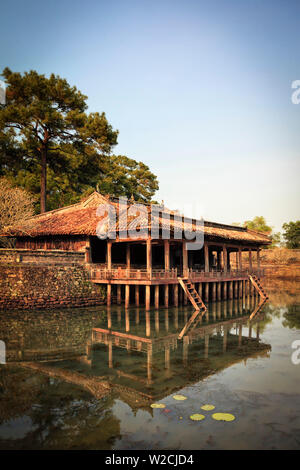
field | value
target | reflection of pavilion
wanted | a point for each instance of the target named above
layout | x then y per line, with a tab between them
151	358
133	350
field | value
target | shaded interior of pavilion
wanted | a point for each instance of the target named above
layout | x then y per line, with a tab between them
169	254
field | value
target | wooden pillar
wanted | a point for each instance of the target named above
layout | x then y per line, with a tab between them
230	293
207	291
167	254
166	295
218	260
240	289
206	257
156	296
147	297
119	295
137	295
184	258
200	289
175	295
225	260
235	289
258	259
108	260
240	260
128	256
149	257
87	255
214	291
127	294
225	290
250	259
219	294
108	295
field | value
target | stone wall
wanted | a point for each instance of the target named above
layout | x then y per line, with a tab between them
15	255
31	286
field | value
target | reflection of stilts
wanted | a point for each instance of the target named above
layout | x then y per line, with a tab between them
185	349
240	336
224	339
110	353
149	362
148	325
157	321
127	321
167	320
167	360
109	318
176	319
206	345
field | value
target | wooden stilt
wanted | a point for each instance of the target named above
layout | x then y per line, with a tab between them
230	293
147	297
207	291
219	293
175	295
127	294
214	291
225	290
137	295
108	295
156	296
166	295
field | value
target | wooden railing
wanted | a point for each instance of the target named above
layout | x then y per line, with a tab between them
99	273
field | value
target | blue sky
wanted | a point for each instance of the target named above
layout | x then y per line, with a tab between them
199	90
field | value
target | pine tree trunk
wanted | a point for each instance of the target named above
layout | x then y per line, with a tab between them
43	179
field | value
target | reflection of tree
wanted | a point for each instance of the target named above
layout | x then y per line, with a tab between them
63	416
292	317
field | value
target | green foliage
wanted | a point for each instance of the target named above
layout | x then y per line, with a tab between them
126	177
258	223
50	146
292	234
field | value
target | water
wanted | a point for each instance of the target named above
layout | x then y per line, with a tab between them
65	387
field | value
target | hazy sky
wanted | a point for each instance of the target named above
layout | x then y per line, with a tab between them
199	90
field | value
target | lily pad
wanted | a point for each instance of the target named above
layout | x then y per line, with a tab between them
223	416
157	405
197	417
207	407
179	397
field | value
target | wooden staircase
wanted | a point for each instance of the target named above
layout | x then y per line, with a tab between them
195	300
256	283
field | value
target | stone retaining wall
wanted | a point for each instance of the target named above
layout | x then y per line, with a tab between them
31	286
